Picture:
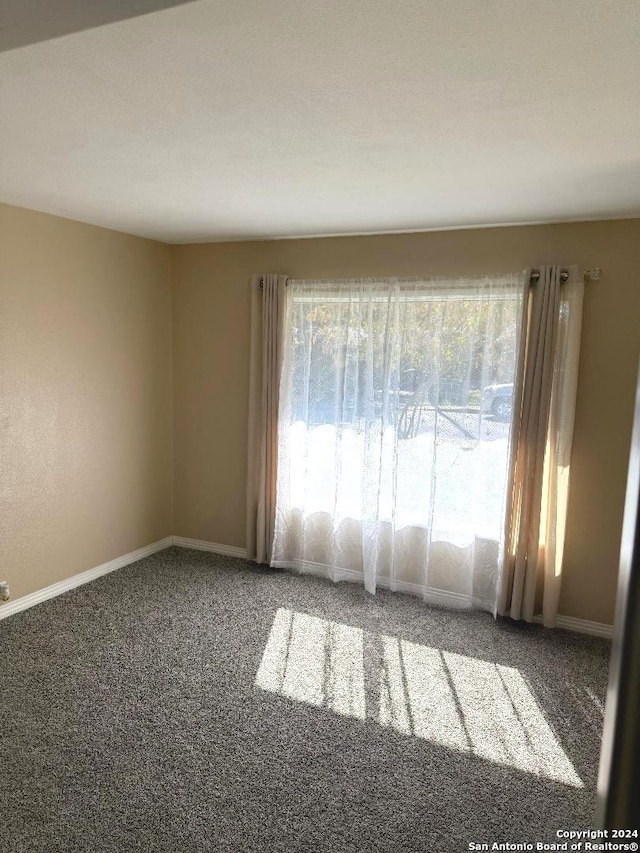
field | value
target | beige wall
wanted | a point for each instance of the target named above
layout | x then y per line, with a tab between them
85	397
85	383
211	352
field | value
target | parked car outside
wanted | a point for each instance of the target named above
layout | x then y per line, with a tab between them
497	400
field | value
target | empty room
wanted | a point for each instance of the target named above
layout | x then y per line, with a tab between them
319	343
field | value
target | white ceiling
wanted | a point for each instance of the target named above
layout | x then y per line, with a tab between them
241	119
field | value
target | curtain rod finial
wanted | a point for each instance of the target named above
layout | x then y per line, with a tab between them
593	275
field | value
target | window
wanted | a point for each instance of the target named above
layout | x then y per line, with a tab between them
393	455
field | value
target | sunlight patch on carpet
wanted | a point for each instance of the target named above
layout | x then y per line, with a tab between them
457	701
315	661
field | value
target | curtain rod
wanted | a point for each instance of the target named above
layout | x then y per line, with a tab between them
589	275
535	276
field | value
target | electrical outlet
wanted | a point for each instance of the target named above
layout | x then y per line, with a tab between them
4	590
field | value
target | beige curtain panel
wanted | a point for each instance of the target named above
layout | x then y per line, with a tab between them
267	318
544	409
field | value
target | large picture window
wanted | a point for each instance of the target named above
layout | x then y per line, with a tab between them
395	431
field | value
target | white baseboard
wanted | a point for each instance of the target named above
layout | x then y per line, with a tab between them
436	596
568	623
213	547
432	596
33	598
581	626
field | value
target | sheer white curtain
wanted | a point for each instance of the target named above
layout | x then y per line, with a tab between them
394	432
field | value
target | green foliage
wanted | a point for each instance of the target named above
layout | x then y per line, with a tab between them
439	351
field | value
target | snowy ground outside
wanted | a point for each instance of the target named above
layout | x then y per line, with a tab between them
450	477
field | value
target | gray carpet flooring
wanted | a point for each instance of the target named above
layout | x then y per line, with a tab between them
192	702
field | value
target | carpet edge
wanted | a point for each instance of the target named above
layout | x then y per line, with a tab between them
55	589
